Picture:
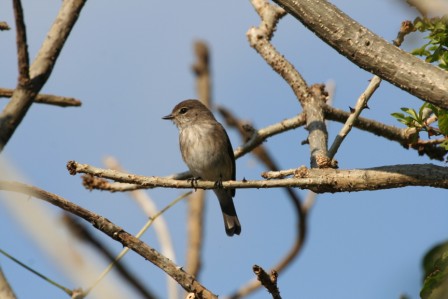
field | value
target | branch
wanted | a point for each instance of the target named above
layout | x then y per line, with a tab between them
22	46
261	135
311	98
371	52
45	99
405	136
360	105
259	39
80	231
148	206
268	281
116	233
40	70
317	180
201	69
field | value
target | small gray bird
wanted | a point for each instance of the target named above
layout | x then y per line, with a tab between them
207	151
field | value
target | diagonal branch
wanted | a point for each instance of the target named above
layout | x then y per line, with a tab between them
360	105
311	98
116	233
369	51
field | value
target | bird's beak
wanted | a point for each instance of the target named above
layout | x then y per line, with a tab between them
169	116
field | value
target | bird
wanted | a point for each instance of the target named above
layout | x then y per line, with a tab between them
207	151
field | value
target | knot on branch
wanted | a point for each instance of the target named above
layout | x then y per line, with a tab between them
71	167
323	161
268	281
318	91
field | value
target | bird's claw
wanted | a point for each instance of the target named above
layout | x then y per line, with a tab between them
194	182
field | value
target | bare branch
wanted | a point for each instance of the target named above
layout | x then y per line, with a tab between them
83	234
261	135
317	180
45	99
371	52
311	98
40	70
360	105
147	204
22	46
268	281
201	69
259	39
116	233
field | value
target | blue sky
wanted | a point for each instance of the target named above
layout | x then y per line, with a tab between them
130	63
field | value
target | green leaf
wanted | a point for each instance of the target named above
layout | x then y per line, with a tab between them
421	51
435	263
445	145
412	113
443	121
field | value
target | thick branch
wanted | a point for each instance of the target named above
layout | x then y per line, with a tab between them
317	180
371	52
116	233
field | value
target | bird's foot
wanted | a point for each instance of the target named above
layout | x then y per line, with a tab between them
218	184
194	182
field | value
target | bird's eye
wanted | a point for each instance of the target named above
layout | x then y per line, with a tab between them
183	110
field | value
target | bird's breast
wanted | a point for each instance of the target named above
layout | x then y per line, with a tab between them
204	150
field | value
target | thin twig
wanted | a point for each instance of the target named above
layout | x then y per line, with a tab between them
360	105
59	286
22	46
45	99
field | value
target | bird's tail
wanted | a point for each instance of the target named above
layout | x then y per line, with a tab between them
231	222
